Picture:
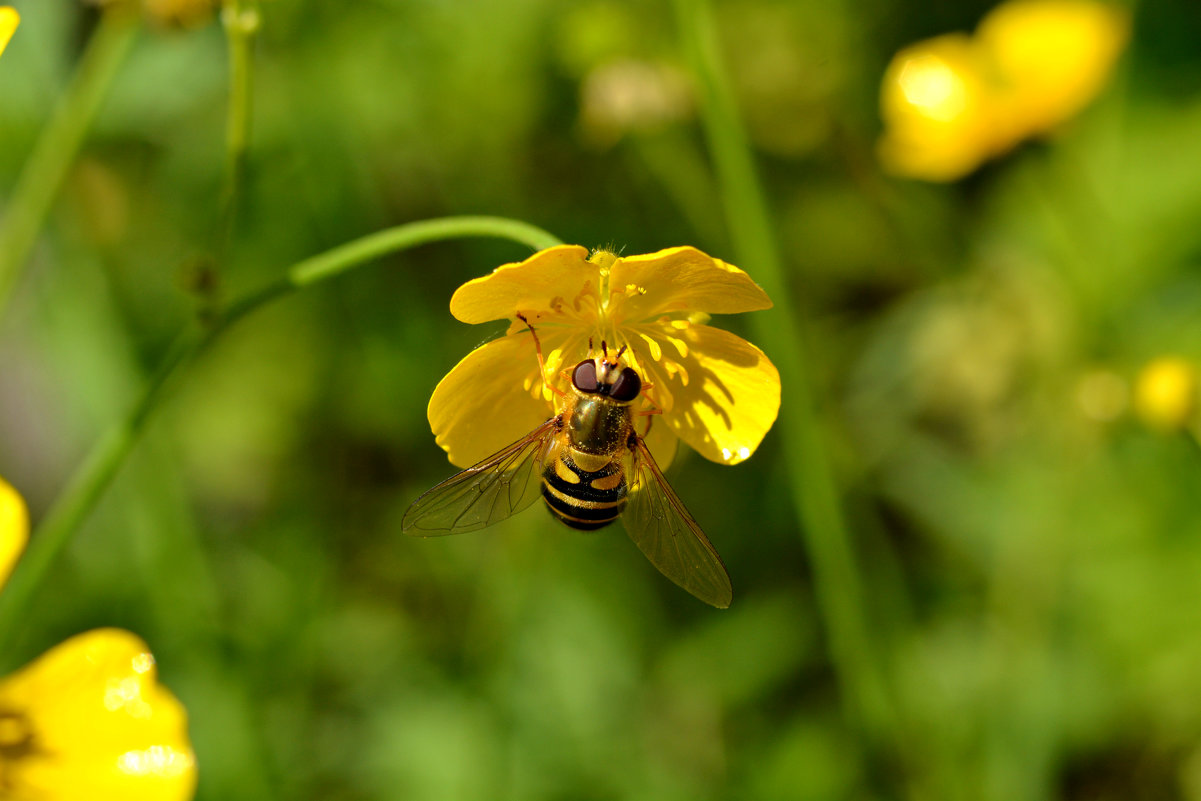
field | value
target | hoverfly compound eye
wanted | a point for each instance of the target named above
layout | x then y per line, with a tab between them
626	386
584	376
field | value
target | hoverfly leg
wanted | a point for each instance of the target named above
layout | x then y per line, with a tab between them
541	361
649	414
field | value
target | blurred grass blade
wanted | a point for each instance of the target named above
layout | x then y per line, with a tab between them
780	332
56	148
241	24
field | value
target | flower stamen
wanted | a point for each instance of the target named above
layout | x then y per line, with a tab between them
680	345
656	350
675	369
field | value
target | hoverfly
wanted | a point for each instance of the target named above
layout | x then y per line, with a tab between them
590	466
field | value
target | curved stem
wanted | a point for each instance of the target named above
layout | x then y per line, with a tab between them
59	143
93	476
814	490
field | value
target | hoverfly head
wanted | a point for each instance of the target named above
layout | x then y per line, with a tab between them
605	376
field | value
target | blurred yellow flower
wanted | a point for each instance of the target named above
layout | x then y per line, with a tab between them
1166	393
936	109
952	102
9	20
1051	57
88	719
718	393
14	529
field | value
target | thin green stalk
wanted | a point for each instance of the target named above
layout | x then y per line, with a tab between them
811	478
93	476
241	23
56	148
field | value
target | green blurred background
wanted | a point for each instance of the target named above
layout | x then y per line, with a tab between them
1030	555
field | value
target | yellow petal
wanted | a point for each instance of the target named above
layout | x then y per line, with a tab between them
490	398
14	529
9	20
1051	57
100	725
556	282
940	116
680	279
721	399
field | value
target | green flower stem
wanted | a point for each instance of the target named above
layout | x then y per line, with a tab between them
241	23
811	478
56	148
93	476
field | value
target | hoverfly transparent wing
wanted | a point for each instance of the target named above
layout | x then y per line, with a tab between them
486	493
661	527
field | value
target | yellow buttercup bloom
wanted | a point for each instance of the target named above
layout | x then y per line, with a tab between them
1051	57
1166	393
88	719
14	529
936	109
718	393
9	20
952	102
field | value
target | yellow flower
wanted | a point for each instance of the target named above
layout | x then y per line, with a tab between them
1165	393
9	20
952	102
1051	57
88	719
937	111
14	529
718	393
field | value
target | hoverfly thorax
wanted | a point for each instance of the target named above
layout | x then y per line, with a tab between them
600	414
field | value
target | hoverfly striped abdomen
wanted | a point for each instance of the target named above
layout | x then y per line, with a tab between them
584	499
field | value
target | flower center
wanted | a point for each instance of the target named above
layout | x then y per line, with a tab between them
610	299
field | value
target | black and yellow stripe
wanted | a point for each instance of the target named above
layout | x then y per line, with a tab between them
583	499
